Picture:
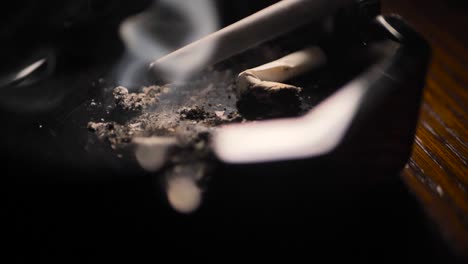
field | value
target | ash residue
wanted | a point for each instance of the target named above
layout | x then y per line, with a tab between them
195	113
120	135
114	133
182	111
136	101
172	137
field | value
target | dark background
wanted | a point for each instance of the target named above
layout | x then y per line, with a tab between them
65	213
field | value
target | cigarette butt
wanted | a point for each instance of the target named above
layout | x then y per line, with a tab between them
261	90
271	75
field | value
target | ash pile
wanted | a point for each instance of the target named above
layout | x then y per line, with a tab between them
169	131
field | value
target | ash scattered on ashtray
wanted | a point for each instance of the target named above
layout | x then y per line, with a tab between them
169	131
165	110
137	101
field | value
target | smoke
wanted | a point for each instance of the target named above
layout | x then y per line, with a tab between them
165	27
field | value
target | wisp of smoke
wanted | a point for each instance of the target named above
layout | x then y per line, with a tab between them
165	27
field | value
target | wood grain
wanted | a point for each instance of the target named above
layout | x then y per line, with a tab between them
437	172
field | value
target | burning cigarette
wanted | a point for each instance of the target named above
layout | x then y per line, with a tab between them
264	25
269	77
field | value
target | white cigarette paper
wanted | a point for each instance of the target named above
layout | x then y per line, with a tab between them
257	28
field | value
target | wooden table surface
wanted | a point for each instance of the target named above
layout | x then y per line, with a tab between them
437	171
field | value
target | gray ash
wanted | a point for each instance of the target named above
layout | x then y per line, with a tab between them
114	133
136	101
172	137
181	111
195	113
121	135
